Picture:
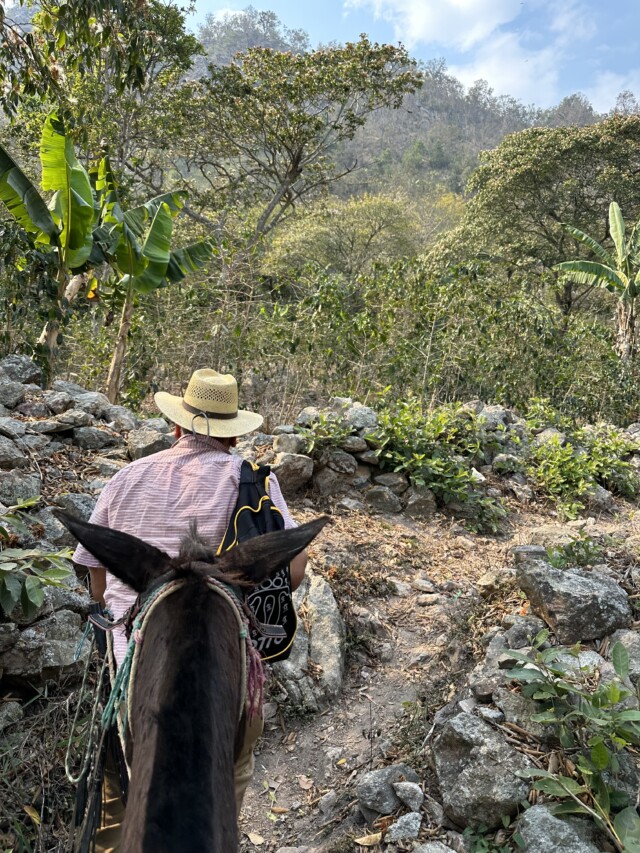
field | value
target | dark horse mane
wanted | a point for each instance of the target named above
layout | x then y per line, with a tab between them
185	709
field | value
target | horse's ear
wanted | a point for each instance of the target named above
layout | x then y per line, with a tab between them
131	560
259	557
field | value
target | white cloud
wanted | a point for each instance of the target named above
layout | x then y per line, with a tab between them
608	85
455	23
530	76
526	63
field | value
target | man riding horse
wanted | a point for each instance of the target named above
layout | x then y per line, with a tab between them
156	499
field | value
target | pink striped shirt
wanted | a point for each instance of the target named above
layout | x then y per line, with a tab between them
155	499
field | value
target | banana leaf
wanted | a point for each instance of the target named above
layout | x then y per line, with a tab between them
616	228
73	202
24	201
138	217
156	252
589	272
598	250
187	260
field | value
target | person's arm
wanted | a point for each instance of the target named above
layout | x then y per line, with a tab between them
297	567
98	584
299	562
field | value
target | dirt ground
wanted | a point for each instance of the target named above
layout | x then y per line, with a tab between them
303	791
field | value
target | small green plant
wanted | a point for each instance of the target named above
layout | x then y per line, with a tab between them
593	729
482	840
327	431
24	573
437	449
581	551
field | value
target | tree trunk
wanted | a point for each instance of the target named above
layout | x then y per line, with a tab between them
66	295
120	351
626	332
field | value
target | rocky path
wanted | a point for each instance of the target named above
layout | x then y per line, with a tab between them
407	591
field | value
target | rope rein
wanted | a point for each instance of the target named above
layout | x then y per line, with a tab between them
252	673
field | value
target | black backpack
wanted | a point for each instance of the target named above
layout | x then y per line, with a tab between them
271	603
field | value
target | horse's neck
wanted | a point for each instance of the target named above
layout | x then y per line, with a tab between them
184	717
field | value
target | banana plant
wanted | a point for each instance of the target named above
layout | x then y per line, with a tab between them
64	224
619	274
86	227
137	245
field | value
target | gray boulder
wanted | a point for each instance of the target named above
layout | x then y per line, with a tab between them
12	428
17	486
420	503
74	418
361	417
92	438
319	650
577	605
329	482
631	641
11	392
93	402
393	480
290	443
354	444
308	416
58	401
10	712
495	417
375	790
22	369
544	833
409	793
46	650
159	424
404	829
383	499
476	771
145	442
10	455
120	418
293	470
77	504
339	461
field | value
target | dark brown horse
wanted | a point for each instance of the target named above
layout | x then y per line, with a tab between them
184	715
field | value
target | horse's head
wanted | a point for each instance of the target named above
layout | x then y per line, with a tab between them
140	565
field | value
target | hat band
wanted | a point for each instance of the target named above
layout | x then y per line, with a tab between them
220	416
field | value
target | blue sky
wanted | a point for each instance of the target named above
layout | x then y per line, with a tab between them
536	50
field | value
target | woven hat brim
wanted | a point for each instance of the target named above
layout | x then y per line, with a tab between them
173	408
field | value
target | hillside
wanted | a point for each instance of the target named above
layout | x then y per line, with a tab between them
412	624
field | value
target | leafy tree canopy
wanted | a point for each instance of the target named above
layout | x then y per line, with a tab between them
236	32
121	40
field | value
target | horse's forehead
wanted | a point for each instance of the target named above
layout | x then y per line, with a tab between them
194	548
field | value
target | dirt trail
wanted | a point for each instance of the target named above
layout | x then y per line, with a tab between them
424	643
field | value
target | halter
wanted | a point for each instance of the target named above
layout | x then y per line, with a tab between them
121	698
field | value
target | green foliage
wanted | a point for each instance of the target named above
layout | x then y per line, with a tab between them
593	727
619	274
123	38
481	840
581	551
24	573
567	468
326	431
437	449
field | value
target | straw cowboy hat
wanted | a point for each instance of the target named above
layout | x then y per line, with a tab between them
209	406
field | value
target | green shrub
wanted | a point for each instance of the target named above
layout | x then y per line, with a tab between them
329	430
437	449
593	728
568	470
24	573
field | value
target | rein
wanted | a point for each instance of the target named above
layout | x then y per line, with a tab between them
252	677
